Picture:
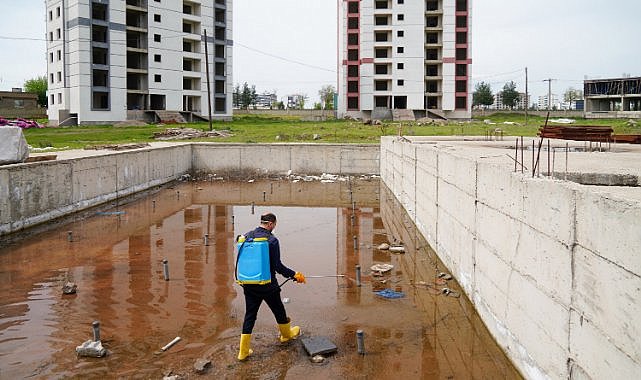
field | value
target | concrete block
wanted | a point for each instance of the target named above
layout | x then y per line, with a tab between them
551	215
610	298
309	161
359	159
454	241
490	293
491	267
39	188
93	177
427	159
132	170
595	354
5	215
269	158
610	227
13	146
459	204
217	158
458	171
500	189
533	316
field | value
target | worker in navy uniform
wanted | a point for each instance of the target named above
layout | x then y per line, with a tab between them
255	294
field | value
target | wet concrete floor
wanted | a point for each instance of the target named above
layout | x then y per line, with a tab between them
116	261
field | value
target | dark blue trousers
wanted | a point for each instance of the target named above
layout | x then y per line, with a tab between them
254	296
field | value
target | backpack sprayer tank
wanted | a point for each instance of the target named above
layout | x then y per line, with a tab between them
252	261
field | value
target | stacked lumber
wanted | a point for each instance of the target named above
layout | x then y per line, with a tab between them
577	132
630	139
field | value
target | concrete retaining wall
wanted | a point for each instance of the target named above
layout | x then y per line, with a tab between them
552	267
243	159
35	193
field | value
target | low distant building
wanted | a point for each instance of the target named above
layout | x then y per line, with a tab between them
266	100
548	102
295	101
613	98
16	103
521	102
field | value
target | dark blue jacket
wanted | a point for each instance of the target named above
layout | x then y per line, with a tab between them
275	265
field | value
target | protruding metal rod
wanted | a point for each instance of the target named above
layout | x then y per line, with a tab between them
178	194
165	269
355	243
358	275
354	208
253	206
271	188
516	153
353	219
153	205
69	236
96	331
533	149
360	341
522	149
264	196
232	219
206	239
548	157
567	148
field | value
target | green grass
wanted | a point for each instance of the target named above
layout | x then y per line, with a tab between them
265	129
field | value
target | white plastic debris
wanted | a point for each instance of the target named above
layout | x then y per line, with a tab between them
91	349
382	268
383	247
563	121
286	300
397	249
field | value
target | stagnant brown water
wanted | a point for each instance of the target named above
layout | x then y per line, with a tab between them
116	261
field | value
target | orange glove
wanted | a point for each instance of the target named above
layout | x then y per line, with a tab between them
300	278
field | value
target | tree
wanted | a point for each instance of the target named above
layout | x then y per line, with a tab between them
571	95
37	86
236	96
482	95
510	95
247	96
326	94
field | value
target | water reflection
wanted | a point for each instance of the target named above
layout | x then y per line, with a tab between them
116	260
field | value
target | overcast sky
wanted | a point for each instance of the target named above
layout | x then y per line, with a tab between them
290	45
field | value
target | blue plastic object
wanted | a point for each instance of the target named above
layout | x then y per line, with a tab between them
390	294
253	262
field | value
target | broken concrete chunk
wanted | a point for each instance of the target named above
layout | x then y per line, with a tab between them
69	288
381	268
317	359
202	365
318	345
445	276
91	349
383	247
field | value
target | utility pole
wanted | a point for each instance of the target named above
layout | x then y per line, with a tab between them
527	98
208	83
549	80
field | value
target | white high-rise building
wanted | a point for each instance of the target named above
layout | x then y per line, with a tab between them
113	60
404	54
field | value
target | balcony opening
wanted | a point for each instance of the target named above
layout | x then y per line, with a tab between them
431	70
99	11
461	86
352	71
157	102
461	37
352	86
352	7
352	39
352	54
381	53
381	69
431	54
381	36
352	23
382	101
431	22
352	102
461	70
431	38
460	102
461	54
100	100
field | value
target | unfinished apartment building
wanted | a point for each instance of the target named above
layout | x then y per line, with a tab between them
114	60
613	98
404	59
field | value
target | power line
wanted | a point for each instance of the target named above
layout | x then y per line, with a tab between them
284	59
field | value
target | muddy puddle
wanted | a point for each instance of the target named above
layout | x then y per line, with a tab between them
115	258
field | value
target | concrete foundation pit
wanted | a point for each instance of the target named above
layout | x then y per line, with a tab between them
116	261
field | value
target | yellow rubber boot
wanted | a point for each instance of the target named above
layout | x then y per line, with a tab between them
287	332
244	351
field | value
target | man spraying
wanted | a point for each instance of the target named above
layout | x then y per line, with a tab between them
255	248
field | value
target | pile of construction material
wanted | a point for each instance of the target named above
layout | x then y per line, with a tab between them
577	132
188	133
22	123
